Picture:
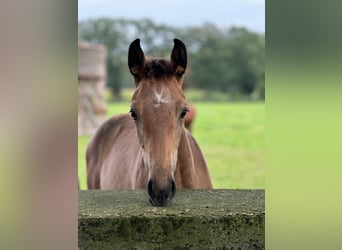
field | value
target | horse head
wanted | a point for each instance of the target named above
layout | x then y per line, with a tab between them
158	108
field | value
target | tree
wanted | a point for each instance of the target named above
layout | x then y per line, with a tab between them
110	33
231	61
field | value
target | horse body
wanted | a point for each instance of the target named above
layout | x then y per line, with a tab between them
120	156
151	149
121	166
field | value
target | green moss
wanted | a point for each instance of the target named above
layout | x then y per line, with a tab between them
195	219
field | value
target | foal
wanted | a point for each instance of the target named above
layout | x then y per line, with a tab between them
151	149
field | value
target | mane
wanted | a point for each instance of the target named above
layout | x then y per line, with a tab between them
158	68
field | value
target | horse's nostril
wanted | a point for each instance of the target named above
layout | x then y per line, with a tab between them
150	189
163	196
173	187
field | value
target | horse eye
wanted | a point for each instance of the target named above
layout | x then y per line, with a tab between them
184	111
133	114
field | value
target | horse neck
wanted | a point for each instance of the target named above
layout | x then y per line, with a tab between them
185	171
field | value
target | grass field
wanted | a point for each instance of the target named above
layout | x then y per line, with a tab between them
231	136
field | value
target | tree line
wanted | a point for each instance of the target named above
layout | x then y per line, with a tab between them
228	60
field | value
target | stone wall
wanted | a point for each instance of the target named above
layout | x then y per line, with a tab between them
91	87
195	219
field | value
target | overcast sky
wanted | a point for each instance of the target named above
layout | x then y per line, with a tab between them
223	13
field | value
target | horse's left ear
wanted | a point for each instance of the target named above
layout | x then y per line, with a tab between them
179	57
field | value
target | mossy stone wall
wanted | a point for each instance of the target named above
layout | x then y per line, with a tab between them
195	219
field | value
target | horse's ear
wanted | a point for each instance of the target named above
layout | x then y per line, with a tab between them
179	57
136	58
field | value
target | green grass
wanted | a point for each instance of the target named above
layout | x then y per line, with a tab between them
82	173
231	136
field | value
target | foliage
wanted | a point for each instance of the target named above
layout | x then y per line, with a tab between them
231	61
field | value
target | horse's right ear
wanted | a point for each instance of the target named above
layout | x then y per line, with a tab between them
136	58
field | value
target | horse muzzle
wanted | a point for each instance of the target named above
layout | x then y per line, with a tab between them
161	194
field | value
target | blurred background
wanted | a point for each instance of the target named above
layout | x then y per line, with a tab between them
225	78
38	152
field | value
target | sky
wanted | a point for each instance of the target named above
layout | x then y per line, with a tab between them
180	13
